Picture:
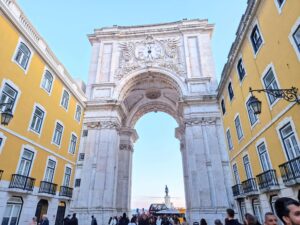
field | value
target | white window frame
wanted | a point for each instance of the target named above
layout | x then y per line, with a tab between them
291	38
10	83
32	115
256	202
21	40
62	95
30	148
228	130
279	8
43	76
3	141
258	143
257	116
63	181
76	112
55	160
268	67
242	137
13	202
251	171
281	125
255	23
62	134
73	133
238	174
237	71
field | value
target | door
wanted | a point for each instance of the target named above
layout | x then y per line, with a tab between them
41	209
12	211
60	215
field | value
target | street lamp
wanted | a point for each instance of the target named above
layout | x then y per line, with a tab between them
6	115
287	94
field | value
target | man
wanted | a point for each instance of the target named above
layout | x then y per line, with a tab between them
230	218
94	221
288	211
124	220
67	220
270	219
74	220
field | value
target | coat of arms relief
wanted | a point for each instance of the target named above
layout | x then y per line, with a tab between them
150	52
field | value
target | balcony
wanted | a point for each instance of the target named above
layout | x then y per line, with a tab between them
290	172
237	191
267	181
250	187
22	182
47	188
65	191
1	172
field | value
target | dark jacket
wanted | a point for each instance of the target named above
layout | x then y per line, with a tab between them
44	222
94	221
74	221
232	222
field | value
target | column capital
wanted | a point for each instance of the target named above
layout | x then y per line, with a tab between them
129	132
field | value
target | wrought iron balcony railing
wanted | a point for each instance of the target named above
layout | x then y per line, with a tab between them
1	172
237	190
47	188
66	191
267	180
290	171
249	186
22	182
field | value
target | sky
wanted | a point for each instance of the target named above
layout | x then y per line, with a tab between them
65	24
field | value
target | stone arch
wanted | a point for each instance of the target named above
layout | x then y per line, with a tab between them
127	82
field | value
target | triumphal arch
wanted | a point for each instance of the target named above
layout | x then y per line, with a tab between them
139	69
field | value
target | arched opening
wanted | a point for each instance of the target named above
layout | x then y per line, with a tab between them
157	162
41	209
60	214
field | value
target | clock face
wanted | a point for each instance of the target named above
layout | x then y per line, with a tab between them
148	52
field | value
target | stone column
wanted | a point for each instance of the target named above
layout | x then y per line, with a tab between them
97	193
203	170
127	137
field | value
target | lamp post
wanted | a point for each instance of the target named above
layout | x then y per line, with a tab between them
6	115
287	94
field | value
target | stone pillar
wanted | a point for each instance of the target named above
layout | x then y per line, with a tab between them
97	193
203	170
127	137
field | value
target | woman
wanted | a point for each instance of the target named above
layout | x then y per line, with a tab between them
250	220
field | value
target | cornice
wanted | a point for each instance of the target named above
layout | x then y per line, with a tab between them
16	16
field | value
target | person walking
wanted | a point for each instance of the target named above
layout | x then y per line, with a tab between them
218	222
270	219
184	222
124	220
288	210
44	220
250	220
203	222
94	221
230	218
74	220
67	220
33	221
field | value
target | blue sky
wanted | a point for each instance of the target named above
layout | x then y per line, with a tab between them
65	24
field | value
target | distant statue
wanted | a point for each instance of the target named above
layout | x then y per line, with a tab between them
167	190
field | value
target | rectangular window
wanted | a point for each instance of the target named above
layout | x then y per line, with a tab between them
67	177
290	142
47	81
280	2
50	171
23	55
264	157
73	142
9	95
296	37
247	167
25	163
12	211
256	38
230	91
37	120
241	69
270	83
78	113
223	106
236	174
77	182
65	99
252	117
81	157
58	134
238	128
229	140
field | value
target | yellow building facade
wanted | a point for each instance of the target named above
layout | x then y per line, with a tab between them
38	148
264	149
